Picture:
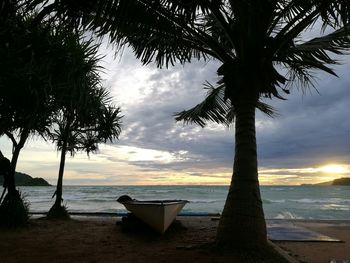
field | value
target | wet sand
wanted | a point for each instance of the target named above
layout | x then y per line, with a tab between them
99	239
319	252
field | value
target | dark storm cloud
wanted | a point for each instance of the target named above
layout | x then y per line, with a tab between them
311	127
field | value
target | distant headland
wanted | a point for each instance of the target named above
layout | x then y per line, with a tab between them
340	181
23	179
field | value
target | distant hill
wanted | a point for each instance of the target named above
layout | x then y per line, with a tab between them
325	183
23	179
340	181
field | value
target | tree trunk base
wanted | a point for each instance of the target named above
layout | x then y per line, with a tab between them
14	210
58	211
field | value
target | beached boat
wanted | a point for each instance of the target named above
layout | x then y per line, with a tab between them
159	214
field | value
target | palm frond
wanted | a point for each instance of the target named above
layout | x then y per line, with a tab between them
334	13
158	31
109	126
299	75
213	108
216	108
314	54
153	31
251	36
266	109
336	42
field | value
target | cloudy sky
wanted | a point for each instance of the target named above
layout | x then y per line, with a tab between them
307	143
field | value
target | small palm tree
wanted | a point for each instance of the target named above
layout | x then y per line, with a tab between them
260	46
85	115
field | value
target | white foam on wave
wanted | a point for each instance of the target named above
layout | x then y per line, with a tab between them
287	215
203	201
322	201
278	201
336	207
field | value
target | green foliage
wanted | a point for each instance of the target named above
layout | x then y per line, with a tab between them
28	55
14	211
35	66
85	115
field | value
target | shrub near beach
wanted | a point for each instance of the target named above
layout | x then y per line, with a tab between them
14	211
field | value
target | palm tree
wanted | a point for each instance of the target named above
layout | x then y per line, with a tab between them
262	51
85	115
25	107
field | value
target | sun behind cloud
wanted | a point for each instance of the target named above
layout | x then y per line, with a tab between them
334	169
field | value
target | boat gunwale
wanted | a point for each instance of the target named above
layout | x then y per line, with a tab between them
155	202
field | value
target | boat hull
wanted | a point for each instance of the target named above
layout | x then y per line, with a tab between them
157	214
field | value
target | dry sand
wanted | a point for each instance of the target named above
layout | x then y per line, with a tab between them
101	240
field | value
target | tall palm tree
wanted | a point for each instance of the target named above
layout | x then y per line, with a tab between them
262	51
85	115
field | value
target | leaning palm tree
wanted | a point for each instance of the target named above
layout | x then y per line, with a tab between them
85	115
262	51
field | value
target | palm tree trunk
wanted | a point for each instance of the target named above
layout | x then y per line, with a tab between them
14	211
11	185
242	223
17	149
59	186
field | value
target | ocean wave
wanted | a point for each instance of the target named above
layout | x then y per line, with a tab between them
92	200
269	201
201	201
287	215
161	191
284	188
335	207
279	201
322	201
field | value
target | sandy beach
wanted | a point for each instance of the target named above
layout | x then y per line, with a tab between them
319	252
100	239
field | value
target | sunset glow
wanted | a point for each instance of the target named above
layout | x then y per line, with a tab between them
334	168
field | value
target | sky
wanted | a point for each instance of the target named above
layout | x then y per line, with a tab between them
308	142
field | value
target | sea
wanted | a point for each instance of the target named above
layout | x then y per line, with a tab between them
279	202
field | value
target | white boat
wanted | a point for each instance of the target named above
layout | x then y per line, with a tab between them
159	214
